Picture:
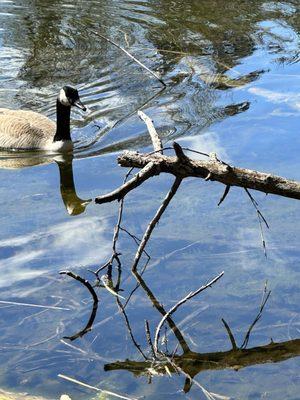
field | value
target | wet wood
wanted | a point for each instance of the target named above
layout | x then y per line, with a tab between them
156	141
214	170
194	363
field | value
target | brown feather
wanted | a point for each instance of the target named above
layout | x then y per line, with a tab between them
25	129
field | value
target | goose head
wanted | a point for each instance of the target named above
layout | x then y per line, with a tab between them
68	96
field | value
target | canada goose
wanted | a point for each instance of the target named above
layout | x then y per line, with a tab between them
28	130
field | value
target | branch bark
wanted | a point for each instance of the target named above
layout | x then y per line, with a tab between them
146	172
216	170
157	144
194	363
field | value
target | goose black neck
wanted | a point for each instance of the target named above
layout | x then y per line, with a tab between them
62	122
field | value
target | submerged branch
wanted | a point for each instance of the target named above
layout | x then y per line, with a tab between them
194	363
230	335
178	304
90	288
154	221
119	396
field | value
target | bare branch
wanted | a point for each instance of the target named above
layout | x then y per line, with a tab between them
157	144
216	170
178	304
145	173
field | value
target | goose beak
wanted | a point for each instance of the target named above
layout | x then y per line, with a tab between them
80	105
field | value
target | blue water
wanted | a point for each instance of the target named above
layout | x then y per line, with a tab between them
43	46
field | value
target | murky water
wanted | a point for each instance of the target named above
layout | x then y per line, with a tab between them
232	75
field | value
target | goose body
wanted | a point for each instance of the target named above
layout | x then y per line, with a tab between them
29	130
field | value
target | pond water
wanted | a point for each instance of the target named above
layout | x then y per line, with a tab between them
233	81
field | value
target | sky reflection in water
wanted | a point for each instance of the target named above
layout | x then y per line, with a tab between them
43	45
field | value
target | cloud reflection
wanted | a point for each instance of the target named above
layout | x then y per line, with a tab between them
72	243
291	99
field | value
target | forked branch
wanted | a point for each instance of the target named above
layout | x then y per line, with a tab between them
214	170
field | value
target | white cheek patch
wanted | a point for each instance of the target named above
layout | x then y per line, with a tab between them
63	98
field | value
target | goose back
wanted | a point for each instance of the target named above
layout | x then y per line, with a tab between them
25	130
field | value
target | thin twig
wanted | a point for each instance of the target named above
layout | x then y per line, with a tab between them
265	298
226	191
107	279
130	56
255	204
261	219
122	310
178	304
230	334
148	337
67	378
195	151
159	151
135	238
115	254
15	303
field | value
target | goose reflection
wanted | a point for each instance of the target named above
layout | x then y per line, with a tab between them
73	204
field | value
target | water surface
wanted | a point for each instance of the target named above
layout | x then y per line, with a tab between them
232	75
